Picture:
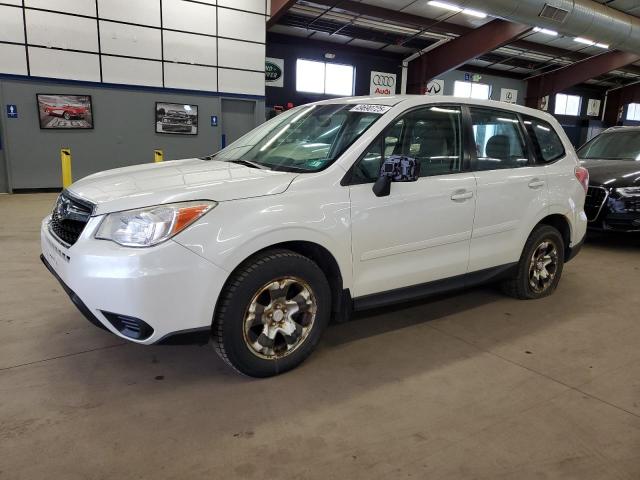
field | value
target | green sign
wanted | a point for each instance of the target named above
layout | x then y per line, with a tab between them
273	71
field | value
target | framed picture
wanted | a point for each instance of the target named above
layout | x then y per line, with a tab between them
176	118
64	112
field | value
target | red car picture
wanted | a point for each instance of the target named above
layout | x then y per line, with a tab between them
65	111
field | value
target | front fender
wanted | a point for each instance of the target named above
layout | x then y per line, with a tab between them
235	230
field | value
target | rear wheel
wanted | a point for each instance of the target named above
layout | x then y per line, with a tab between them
272	313
540	266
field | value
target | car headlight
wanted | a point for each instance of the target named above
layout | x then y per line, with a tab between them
629	191
149	226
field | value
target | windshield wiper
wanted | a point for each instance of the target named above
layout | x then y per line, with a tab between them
248	163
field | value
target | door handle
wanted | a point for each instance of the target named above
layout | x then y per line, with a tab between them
461	195
536	183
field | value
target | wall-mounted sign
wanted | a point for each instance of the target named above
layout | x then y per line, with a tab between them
65	111
274	72
176	118
435	87
593	108
508	95
382	84
214	120
472	77
544	103
12	111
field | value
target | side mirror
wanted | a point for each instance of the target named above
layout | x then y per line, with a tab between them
396	168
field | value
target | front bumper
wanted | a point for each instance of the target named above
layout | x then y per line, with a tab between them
168	288
616	213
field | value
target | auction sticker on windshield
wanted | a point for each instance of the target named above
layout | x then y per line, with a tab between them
364	108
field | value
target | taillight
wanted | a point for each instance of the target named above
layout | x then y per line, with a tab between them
582	174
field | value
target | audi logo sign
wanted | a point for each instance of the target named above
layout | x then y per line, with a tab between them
382	84
384	80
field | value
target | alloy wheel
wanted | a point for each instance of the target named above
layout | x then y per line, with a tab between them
543	266
279	318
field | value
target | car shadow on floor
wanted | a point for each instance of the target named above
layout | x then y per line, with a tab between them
378	321
609	240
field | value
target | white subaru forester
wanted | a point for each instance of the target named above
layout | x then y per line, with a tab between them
329	207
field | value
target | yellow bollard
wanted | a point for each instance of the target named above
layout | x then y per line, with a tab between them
158	156
65	159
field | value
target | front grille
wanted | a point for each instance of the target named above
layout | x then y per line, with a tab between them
632	204
69	217
623	221
596	196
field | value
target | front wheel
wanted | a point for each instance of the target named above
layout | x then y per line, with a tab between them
540	266
272	313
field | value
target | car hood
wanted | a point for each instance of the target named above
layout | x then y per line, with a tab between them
613	173
176	181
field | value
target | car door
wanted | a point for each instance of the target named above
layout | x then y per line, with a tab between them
421	231
511	189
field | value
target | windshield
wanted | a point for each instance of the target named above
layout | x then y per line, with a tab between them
304	139
613	146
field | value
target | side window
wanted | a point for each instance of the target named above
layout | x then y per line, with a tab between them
545	140
498	138
431	135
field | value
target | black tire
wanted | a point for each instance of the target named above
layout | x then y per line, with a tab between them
228	328
519	286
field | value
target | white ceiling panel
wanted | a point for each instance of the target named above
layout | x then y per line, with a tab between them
367	44
327	37
502	67
398	49
521	70
478	63
391	4
286	30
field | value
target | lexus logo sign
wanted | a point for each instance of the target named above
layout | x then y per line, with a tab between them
382	83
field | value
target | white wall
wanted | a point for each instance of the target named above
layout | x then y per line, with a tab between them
209	45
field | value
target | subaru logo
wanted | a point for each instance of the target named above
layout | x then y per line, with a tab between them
62	208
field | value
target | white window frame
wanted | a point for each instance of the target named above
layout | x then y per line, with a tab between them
327	87
475	90
633	112
562	106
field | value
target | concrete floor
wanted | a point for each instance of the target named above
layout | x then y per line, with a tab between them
473	385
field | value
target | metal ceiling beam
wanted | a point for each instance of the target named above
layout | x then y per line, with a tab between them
560	79
459	51
278	9
394	16
444	28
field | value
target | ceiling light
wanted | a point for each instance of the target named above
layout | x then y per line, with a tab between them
584	41
447	6
546	31
591	43
454	8
474	13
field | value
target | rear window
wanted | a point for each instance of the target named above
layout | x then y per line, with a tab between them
546	142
